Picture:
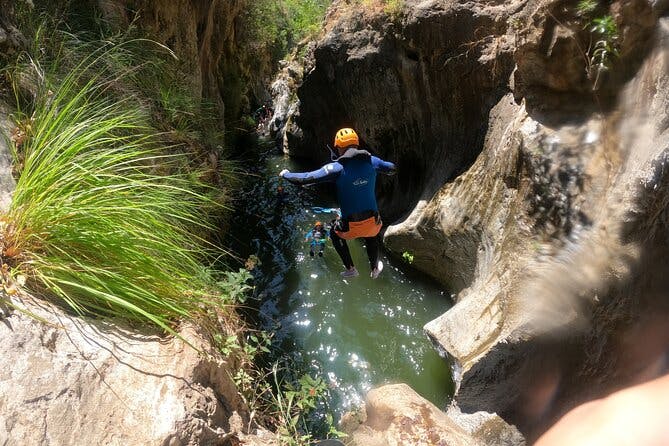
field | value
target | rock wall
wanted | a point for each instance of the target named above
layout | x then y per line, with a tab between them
11	39
207	37
393	81
200	32
537	236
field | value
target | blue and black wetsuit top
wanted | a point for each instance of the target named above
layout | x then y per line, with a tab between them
354	174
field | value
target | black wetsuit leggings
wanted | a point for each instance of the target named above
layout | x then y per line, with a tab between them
372	244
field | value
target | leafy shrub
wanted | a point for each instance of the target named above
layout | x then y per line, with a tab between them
603	46
394	8
278	25
586	7
290	404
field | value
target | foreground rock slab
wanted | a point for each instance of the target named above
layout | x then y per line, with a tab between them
395	415
71	382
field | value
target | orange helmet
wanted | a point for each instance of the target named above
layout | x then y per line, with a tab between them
346	137
318	223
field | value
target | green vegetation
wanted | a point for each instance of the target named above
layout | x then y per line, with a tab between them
304	17
102	216
394	8
293	405
603	46
408	257
586	7
111	209
277	399
284	402
119	177
275	26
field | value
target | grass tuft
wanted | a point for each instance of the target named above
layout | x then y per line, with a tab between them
102	216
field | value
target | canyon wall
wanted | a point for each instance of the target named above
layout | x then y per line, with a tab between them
531	183
393	81
209	41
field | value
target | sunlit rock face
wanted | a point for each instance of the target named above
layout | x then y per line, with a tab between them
395	415
91	382
200	32
210	41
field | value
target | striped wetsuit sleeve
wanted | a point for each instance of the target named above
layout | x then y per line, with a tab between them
329	172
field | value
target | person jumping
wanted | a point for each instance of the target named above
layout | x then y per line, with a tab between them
354	174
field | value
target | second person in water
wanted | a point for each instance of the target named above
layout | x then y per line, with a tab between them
354	174
317	236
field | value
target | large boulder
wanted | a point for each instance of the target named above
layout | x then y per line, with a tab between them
395	415
70	381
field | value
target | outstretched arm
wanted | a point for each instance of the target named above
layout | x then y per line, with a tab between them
383	166
329	172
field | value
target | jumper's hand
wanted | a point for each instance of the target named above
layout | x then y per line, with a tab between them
283	172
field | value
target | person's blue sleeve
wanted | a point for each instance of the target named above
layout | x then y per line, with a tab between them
329	172
383	166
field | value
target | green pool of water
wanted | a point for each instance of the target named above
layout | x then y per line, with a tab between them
356	333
